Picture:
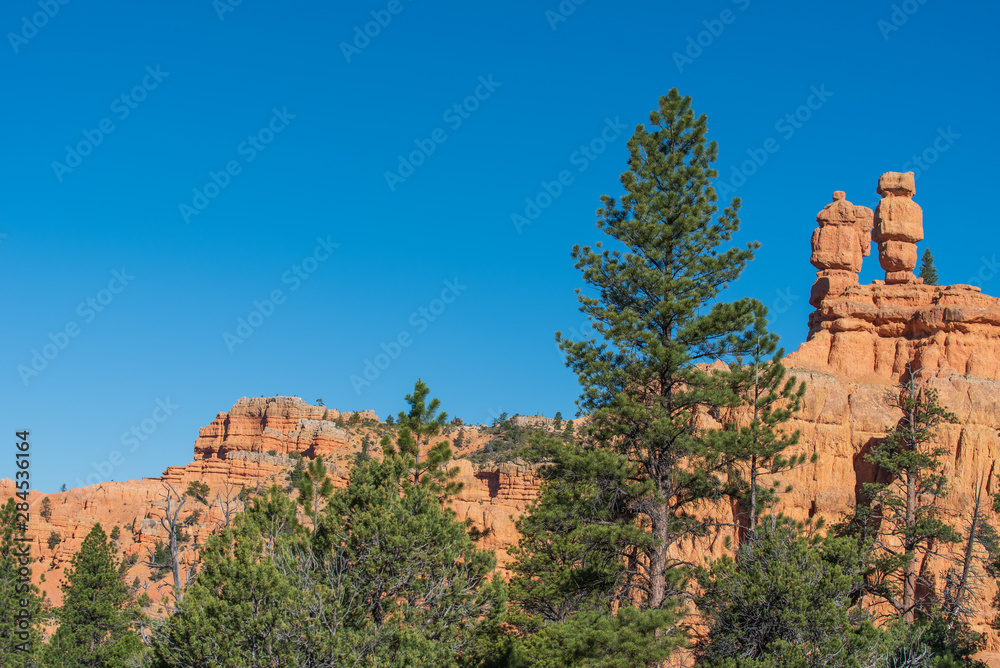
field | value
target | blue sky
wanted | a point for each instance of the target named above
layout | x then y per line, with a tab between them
218	155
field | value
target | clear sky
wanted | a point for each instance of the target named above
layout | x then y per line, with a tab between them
172	168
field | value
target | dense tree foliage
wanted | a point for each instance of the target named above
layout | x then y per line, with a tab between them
388	578
903	519
98	614
20	634
784	600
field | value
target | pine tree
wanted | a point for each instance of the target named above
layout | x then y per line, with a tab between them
632	638
903	520
785	600
315	488
96	618
418	580
240	609
20	637
754	448
365	453
567	561
297	474
927	270
389	579
656	305
199	491
558	421
416	427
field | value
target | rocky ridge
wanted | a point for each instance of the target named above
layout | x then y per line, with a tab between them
254	444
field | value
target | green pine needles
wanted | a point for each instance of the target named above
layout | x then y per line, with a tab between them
654	299
928	271
429	463
98	614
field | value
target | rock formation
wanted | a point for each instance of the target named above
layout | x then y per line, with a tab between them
876	331
274	424
254	444
899	225
838	246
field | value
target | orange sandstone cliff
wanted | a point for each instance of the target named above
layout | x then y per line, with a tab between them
249	446
862	341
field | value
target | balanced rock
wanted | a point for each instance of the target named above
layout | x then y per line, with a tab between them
839	245
899	225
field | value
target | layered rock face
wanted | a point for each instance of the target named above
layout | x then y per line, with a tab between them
866	339
248	446
274	424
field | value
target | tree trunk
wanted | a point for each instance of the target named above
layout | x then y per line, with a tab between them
753	458
175	558
416	458
658	558
910	572
970	547
753	496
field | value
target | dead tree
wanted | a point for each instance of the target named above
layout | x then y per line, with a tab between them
170	520
229	503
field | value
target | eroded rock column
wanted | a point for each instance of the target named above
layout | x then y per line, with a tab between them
839	245
899	225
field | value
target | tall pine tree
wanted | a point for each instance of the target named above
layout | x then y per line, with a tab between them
903	521
96	618
655	303
19	634
752	440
